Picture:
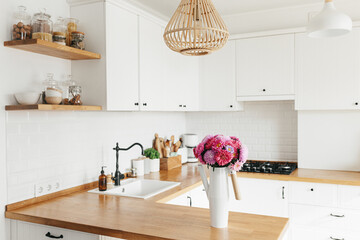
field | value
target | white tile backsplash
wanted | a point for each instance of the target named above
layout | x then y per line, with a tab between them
269	129
72	146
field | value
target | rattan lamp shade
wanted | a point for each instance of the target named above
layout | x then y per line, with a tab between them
196	28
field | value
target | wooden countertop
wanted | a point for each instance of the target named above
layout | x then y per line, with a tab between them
311	175
132	218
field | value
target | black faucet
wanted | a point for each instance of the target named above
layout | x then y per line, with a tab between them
118	176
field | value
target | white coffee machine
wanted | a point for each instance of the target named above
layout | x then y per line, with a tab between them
190	141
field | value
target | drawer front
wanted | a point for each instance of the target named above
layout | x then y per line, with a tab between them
324	217
314	233
349	197
313	194
30	231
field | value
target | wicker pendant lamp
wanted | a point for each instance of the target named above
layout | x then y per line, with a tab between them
196	29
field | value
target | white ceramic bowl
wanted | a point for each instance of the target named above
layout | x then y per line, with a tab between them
27	98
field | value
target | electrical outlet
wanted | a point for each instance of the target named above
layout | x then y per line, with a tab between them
47	187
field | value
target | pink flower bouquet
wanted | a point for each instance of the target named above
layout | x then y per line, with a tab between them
221	151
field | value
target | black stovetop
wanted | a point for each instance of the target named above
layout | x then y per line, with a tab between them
285	168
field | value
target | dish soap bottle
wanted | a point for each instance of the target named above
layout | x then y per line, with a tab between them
102	180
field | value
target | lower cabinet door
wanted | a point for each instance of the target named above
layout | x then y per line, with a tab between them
314	233
258	196
182	200
30	231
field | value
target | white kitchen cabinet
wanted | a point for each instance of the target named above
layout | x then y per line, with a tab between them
217	84
112	81
264	197
328	72
122	58
253	192
152	81
181	81
313	194
349	197
194	198
265	68
29	231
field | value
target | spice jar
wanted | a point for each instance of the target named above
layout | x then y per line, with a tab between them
42	26
71	26
21	29
59	33
77	40
74	93
52	93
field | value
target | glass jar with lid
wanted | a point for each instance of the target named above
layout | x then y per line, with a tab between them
59	32
74	92
21	28
42	26
52	93
71	26
77	40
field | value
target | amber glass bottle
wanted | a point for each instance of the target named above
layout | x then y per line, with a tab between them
102	181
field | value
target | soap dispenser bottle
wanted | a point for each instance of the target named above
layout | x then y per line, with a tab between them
102	180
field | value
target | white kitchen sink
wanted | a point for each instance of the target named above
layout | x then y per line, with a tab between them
139	188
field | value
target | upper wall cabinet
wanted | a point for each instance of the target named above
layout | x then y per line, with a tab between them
138	72
152	81
328	72
265	68
122	59
113	81
182	81
218	80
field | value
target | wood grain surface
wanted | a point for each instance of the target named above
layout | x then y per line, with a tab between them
132	218
51	49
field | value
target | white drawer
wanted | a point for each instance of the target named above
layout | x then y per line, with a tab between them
313	233
313	194
324	217
349	197
30	231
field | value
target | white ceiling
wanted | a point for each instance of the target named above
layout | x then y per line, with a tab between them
225	7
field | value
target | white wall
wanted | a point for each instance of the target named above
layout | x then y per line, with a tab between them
21	71
329	140
72	146
284	17
269	129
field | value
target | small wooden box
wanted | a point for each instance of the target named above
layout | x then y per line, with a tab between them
170	163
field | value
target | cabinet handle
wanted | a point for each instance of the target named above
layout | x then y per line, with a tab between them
337	238
337	216
180	105
311	189
52	236
188	197
264	90
184	106
136	104
283	192
231	106
144	104
356	103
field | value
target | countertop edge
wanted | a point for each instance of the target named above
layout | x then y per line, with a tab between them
81	227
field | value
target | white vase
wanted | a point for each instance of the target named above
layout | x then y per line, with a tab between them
218	195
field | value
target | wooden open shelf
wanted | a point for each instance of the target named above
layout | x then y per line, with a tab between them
51	49
49	107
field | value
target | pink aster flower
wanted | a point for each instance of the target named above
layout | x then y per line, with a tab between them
236	166
219	143
199	150
244	152
209	157
223	157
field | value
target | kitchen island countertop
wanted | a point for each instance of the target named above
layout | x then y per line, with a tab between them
131	218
